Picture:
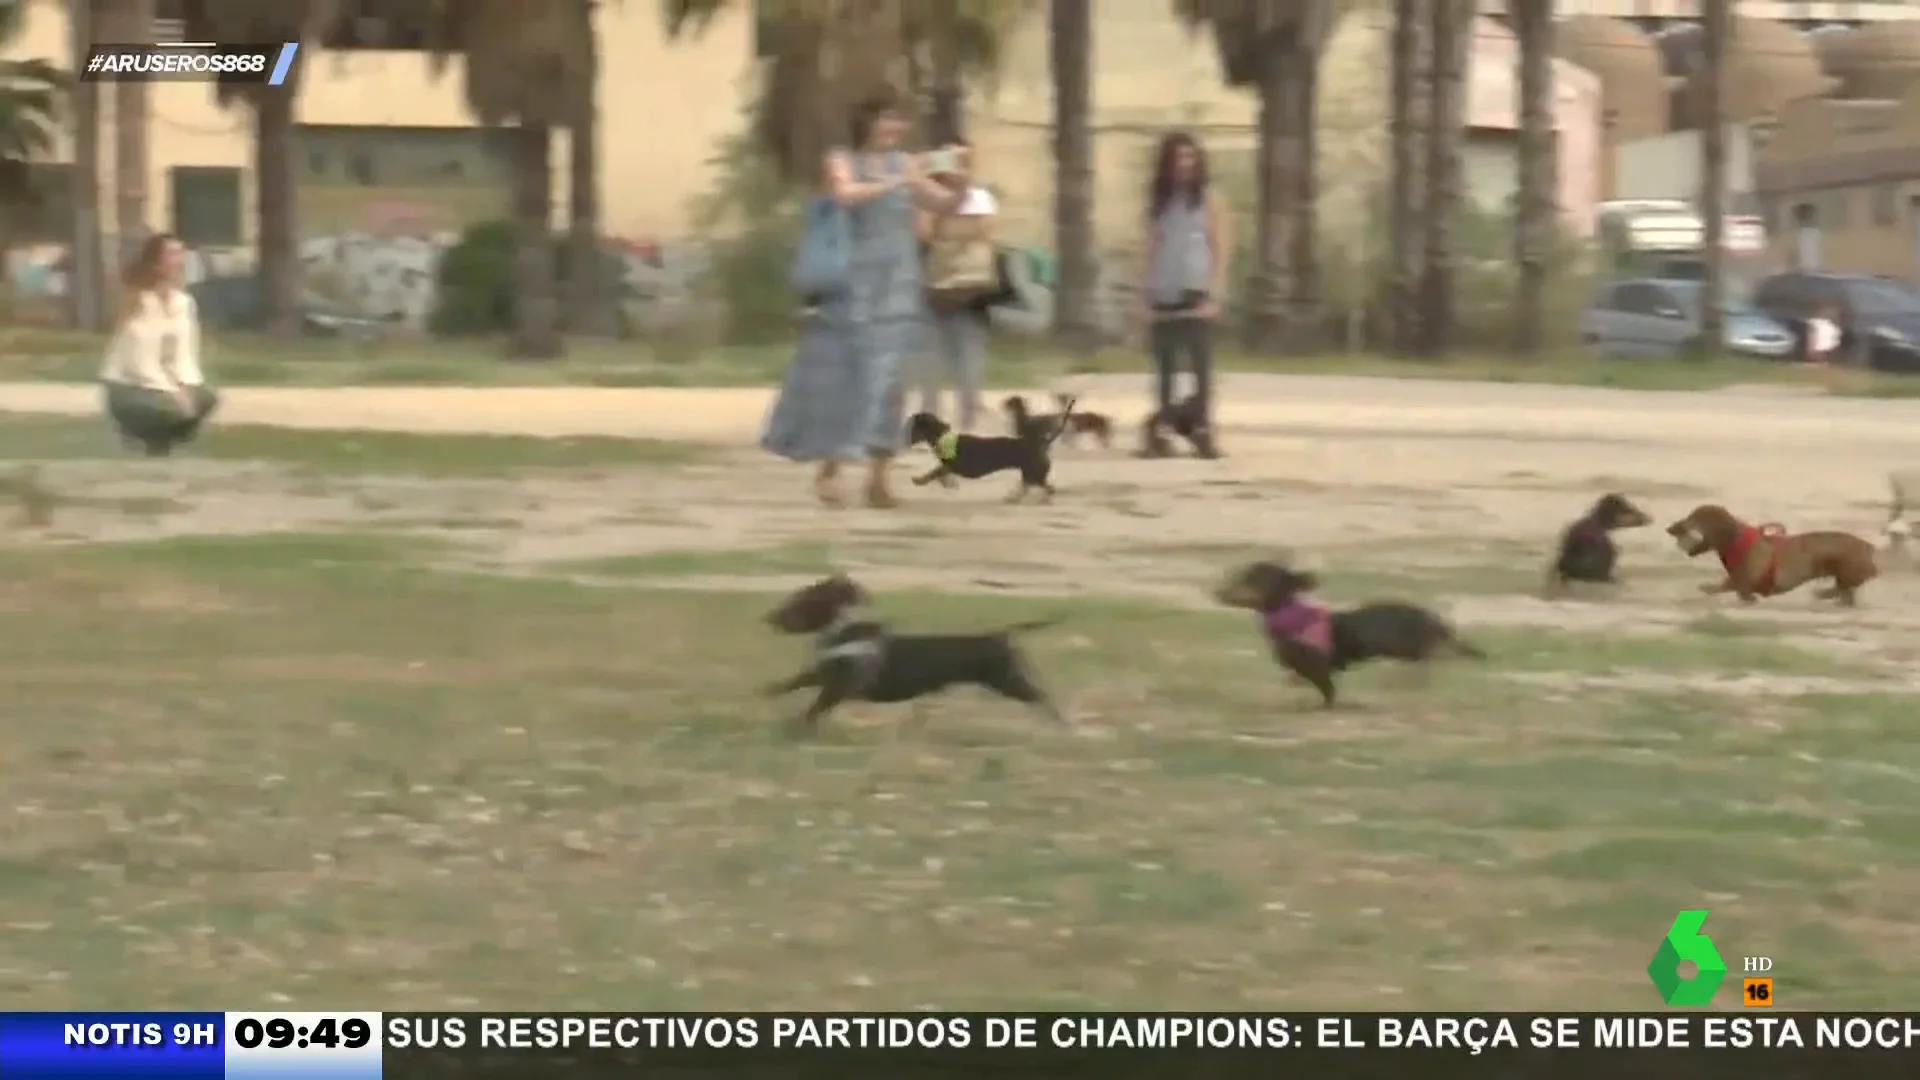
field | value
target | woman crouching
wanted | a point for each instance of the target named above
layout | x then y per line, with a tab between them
156	393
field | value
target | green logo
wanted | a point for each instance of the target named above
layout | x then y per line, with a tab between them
1684	941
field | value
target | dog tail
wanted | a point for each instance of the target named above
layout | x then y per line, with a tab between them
1463	648
1030	626
1066	410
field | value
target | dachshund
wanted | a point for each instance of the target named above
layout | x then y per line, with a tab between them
1072	424
971	457
1904	486
858	658
1187	419
1587	552
1317	643
1766	560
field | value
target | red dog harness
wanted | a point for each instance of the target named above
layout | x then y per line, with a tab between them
1733	557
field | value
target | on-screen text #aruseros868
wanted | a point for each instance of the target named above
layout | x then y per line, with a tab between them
189	62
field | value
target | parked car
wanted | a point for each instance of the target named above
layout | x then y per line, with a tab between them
1661	317
1879	319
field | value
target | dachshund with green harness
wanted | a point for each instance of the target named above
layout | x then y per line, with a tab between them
970	457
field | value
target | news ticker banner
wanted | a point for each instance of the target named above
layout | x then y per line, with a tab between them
192	61
885	1046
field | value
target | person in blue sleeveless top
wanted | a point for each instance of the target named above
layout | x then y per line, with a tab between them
843	396
1183	278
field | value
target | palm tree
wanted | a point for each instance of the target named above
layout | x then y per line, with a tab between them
584	306
1274	47
1410	53
133	22
1536	216
31	112
940	30
1716	28
524	59
829	55
278	238
86	278
1070	49
1452	24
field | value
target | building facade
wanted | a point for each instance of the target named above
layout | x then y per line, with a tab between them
389	165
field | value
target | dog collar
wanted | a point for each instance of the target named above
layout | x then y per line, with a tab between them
866	647
946	446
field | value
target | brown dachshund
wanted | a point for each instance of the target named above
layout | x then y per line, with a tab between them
1766	560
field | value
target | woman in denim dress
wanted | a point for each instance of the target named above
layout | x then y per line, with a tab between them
842	400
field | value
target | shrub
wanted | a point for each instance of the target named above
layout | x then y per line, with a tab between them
473	285
473	293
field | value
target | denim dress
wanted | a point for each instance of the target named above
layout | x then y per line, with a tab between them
842	397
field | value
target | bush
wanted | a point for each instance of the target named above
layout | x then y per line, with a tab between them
473	285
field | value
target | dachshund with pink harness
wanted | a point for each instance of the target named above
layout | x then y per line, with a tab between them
1316	642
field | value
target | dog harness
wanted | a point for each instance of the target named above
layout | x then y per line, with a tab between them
1734	555
1300	622
946	446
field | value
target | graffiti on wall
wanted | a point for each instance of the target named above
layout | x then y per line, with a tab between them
374	277
388	277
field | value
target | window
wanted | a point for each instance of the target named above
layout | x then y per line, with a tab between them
1607	298
48	216
206	205
1639	299
399	157
1834	214
1886	204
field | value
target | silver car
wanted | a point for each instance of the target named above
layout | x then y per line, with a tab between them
1661	317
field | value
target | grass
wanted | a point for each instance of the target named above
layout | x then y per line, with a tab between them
799	557
313	770
31	437
248	360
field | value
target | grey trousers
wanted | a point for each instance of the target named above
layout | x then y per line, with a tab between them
956	356
1183	344
156	419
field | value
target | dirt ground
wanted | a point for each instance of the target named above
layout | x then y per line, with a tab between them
1422	473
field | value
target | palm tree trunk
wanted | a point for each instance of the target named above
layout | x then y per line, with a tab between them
585	311
1536	218
1070	45
536	309
1406	126
947	121
1313	25
1452	44
1716	24
86	283
278	241
1279	151
277	200
131	112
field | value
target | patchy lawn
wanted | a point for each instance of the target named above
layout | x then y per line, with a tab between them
308	770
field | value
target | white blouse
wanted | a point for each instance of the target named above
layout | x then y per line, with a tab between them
159	347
